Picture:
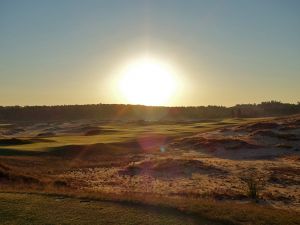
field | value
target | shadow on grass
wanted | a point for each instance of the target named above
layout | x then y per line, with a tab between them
71	151
14	152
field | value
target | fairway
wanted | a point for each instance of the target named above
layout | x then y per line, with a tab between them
37	209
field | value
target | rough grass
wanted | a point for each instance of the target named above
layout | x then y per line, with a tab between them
285	175
38	209
9	176
191	210
258	126
170	168
213	143
273	134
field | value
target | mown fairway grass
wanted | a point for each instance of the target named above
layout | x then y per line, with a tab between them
125	132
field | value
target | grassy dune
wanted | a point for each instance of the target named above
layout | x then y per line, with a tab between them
167	172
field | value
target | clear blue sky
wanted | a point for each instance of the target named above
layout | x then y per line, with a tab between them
227	52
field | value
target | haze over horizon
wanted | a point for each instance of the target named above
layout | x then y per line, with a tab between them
216	52
99	103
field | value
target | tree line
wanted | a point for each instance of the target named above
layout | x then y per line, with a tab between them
122	112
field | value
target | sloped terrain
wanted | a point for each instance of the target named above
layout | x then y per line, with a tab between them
186	160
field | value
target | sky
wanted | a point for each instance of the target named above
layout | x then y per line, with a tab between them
224	52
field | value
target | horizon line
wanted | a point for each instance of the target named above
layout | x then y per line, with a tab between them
165	106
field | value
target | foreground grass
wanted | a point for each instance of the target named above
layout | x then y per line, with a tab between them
42	209
95	208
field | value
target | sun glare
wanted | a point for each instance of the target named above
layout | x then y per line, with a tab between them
147	81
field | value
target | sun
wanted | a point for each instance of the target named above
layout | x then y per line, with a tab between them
148	81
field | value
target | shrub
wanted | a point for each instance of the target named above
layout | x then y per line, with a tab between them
254	183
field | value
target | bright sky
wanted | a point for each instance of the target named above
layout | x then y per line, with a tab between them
221	52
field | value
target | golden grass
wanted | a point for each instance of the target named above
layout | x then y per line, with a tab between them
222	212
